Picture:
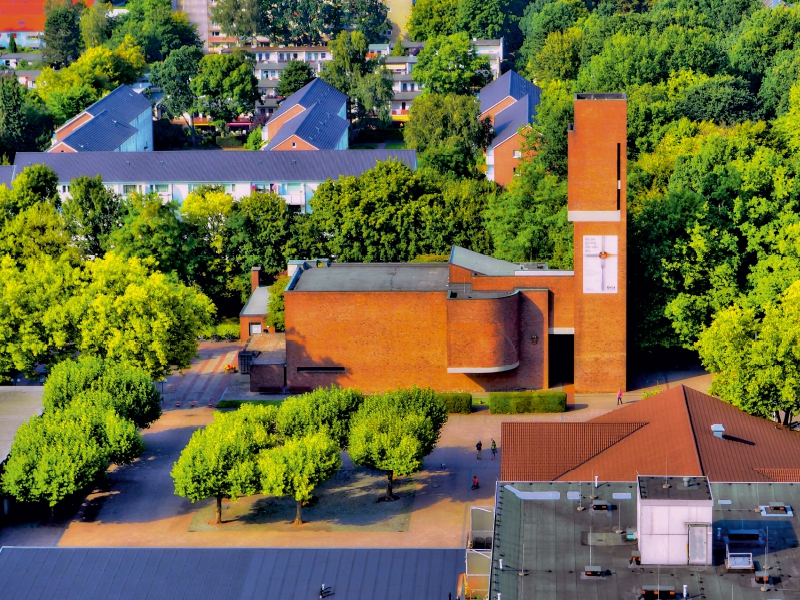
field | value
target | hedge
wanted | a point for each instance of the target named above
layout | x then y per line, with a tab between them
229	142
512	403
238	403
457	403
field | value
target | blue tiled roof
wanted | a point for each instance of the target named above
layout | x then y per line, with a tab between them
312	93
317	126
508	84
212	166
103	132
123	103
508	121
110	125
6	175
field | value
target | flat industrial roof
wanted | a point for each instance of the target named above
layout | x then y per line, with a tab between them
228	574
17	405
539	530
375	277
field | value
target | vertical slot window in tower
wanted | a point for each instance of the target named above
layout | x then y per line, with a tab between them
619	175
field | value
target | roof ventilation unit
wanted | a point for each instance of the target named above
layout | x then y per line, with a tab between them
718	429
593	572
660	592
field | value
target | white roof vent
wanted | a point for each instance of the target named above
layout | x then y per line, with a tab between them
718	429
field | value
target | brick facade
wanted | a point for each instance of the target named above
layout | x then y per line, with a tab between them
597	191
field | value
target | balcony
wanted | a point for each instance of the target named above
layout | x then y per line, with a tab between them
400	114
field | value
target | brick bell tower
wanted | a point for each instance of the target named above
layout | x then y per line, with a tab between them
597	207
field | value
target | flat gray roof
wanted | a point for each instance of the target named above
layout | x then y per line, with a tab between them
486	265
257	304
228	574
375	277
540	530
17	405
653	488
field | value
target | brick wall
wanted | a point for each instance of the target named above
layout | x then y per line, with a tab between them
483	332
267	378
504	162
389	339
299	144
244	326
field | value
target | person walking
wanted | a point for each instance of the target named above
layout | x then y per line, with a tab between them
619	397
494	449
475	484
479	447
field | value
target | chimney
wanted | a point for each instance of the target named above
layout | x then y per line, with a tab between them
255	274
718	429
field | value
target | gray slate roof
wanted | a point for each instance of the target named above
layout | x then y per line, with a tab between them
508	121
508	84
319	124
17	405
123	103
486	265
374	277
210	166
6	175
227	574
110	126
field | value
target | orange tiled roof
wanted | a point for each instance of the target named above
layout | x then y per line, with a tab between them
24	15
672	434
544	451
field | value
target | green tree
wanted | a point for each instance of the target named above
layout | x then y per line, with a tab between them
364	80
225	87
276	306
369	17
304	22
448	121
260	234
756	361
220	460
297	467
127	389
296	75
61	40
432	18
36	231
152	229
12	117
722	99
242	19
491	20
327	410
395	431
95	26
528	221
12	44
254	139
35	323
62	452
173	76
153	26
125	312
91	212
34	184
450	64
540	21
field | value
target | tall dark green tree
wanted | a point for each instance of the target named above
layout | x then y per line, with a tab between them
296	75
12	116
241	19
369	17
173	76
92	212
62	33
225	87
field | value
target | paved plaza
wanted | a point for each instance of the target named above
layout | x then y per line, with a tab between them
137	507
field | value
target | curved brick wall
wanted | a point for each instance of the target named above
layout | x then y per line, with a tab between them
483	333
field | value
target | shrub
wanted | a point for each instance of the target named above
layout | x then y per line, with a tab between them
224	329
238	403
228	142
511	403
457	403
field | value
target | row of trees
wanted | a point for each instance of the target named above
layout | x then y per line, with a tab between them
93	410
306	22
290	450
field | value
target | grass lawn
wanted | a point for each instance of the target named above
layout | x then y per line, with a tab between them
345	503
363	147
395	145
238	403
